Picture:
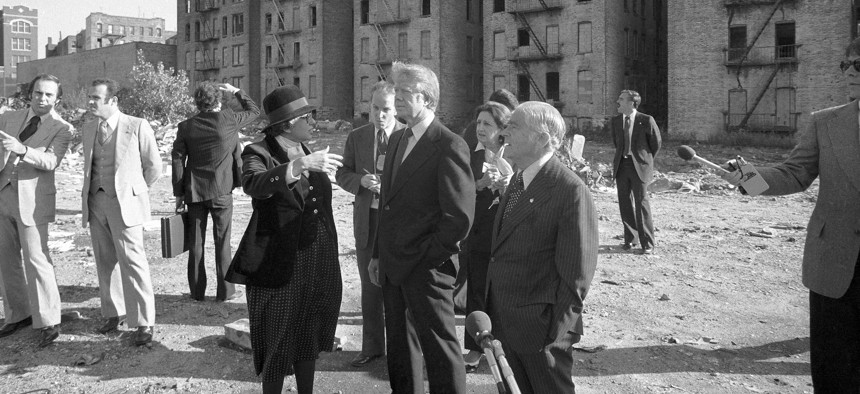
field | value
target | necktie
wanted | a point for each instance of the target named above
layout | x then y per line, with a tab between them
104	133
401	149
627	148
514	192
31	128
382	141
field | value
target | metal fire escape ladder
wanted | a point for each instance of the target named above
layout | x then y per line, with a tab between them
390	10
772	76
384	40
281	54
524	69
532	33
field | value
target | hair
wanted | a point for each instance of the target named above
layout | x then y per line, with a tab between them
46	77
544	118
505	97
424	79
853	48
634	95
111	85
500	113
384	86
275	129
207	96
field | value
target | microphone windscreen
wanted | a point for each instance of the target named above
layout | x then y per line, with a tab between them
686	153
478	322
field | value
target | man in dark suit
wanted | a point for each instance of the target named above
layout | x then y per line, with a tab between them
363	162
205	171
637	141
545	243
829	150
427	201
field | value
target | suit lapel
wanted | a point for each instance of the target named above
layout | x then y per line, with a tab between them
536	195
845	139
13	127
45	131
424	149
89	138
123	137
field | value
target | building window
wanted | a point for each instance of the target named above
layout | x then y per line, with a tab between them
110	29
187	32
121	30
737	42
237	55
187	6
268	54
425	44
552	39
523	38
583	83
498	5
268	23
224	27
312	86
364	89
499	82
469	49
158	32
238	24
381	49
365	12
297	81
295	24
499	43
627	43
402	46
19	59
21	27
150	32
626	9
237	82
425	7
634	7
468	10
196	31
281	20
313	16
224	57
552	86
523	87
20	44
188	65
785	40
297	51
99	27
365	49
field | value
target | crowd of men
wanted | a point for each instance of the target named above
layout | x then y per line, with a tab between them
414	203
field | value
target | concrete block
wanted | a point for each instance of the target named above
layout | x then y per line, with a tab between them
239	332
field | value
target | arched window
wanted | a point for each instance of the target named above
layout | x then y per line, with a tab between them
187	32
21	26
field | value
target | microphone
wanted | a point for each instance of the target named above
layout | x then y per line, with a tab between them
687	153
478	326
506	368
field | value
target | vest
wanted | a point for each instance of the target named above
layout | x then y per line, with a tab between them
104	166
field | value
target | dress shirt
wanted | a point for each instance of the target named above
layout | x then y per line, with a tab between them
418	131
531	171
629	133
30	115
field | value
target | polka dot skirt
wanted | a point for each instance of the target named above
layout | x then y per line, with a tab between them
297	321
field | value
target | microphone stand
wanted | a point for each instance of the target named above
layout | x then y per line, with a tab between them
494	368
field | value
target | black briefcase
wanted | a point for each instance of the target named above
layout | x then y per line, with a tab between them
173	235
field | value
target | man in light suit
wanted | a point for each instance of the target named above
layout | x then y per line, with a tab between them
427	205
544	253
363	162
33	144
121	162
206	169
637	140
830	151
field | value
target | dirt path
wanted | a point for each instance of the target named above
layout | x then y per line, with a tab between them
716	310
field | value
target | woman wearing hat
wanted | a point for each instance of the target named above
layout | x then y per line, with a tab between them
288	256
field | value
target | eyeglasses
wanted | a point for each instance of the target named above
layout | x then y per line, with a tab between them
847	63
307	117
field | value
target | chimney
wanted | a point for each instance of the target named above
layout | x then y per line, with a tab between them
49	40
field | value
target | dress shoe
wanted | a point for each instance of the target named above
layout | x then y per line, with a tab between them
628	246
143	335
362	360
648	250
472	359
236	294
10	328
110	325
49	334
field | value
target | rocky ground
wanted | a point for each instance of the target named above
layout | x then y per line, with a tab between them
718	309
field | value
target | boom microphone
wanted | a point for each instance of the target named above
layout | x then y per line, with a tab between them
478	326
687	153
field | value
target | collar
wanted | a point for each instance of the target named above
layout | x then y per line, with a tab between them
113	121
419	129
294	149
632	115
388	130
531	172
480	147
31	114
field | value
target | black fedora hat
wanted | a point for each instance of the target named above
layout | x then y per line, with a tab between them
285	103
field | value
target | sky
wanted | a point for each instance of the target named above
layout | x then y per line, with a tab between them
69	16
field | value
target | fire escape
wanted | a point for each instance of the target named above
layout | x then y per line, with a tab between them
206	67
536	49
771	59
386	54
284	63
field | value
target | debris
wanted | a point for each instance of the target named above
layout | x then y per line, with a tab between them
239	332
664	297
611	282
88	359
590	349
760	234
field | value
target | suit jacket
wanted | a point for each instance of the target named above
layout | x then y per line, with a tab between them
284	218
429	207
359	160
204	165
138	166
36	189
544	256
828	150
645	141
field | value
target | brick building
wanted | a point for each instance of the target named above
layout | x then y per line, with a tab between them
444	35
258	46
577	55
18	43
103	30
65	46
756	66
77	70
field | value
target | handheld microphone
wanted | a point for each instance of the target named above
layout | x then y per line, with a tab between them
687	153
478	326
507	373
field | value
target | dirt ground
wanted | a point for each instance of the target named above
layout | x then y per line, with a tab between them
718	309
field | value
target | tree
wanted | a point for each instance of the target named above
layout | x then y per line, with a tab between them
156	93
